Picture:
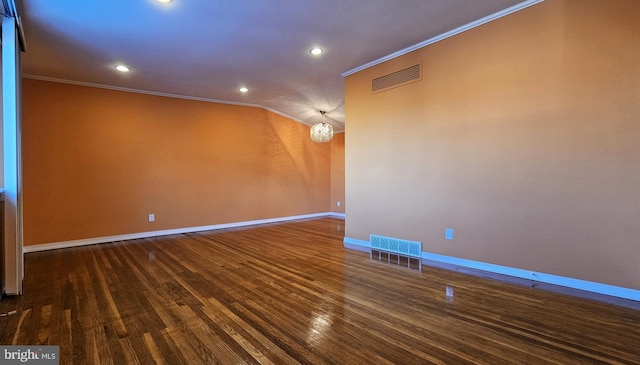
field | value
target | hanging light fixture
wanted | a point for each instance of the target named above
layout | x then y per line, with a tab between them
321	132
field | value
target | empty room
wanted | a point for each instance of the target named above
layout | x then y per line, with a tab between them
320	182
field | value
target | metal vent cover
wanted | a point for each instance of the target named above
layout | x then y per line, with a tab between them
396	251
396	245
402	77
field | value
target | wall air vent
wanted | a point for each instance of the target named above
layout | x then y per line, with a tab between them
396	251
402	77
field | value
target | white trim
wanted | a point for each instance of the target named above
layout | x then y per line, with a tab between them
358	245
357	242
590	286
13	265
443	36
156	93
138	91
166	232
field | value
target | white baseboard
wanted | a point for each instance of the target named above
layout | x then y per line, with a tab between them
166	232
590	286
358	245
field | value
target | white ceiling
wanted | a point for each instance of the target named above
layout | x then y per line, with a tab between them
210	48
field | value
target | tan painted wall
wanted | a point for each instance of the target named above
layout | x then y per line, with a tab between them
523	136
337	173
97	162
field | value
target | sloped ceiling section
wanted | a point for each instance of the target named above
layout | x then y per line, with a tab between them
209	49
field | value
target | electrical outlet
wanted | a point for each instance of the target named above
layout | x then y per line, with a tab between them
152	217
448	233
338	203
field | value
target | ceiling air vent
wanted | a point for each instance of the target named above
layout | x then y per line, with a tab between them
402	77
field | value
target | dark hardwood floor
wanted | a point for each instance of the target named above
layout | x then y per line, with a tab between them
290	293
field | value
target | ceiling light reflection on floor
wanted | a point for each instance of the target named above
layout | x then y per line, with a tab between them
319	325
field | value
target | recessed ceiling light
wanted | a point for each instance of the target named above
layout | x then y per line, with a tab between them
164	1
316	51
243	89
122	68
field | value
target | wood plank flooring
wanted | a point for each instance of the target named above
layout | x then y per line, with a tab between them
291	294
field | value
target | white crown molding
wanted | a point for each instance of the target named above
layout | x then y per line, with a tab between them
443	36
166	232
156	93
140	91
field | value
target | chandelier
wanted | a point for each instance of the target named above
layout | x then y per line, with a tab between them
321	132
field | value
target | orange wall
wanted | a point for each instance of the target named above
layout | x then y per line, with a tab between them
523	136
337	173
97	162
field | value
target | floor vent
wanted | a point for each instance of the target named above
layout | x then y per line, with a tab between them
402	77
396	251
